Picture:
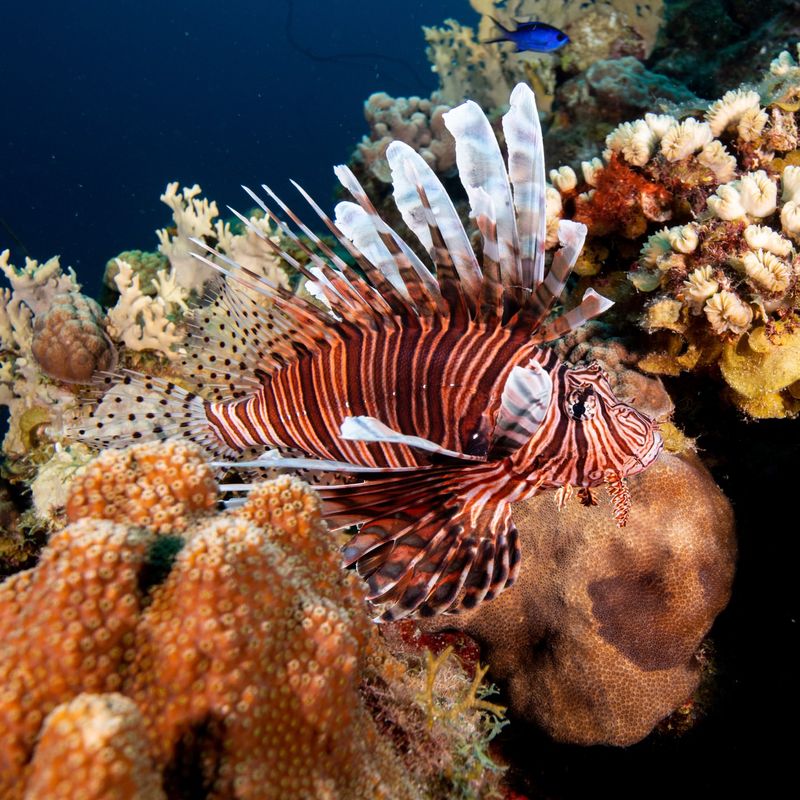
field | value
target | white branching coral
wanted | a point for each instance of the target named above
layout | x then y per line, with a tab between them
655	248
783	64
759	194
683	238
685	139
552	213
730	108
715	157
634	141
140	322
726	313
659	124
790	195
590	170
752	123
29	395
194	218
754	195
761	237
726	202
790	184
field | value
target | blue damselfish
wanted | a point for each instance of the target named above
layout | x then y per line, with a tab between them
536	36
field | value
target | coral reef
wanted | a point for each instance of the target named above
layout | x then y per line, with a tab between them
52	336
728	267
157	644
598	29
159	486
33	400
146	265
588	106
416	121
94	747
142	321
597	640
485	73
714	45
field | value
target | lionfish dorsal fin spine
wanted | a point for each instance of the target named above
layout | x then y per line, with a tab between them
481	168
413	179
526	171
418	282
591	306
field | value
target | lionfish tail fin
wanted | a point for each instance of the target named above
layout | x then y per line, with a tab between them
430	541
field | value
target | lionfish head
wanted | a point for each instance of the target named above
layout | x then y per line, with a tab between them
610	437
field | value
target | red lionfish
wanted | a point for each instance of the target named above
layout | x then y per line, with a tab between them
431	389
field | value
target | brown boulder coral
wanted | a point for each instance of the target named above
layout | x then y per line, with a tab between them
69	342
597	640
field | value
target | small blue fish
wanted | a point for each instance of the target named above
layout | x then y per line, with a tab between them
536	36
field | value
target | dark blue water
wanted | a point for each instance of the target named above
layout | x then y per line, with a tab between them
104	103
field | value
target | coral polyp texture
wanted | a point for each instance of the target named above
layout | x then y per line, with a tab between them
598	639
94	747
227	662
158	486
725	269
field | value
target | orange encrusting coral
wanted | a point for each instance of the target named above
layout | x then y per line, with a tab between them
65	628
245	663
235	636
160	486
94	748
623	201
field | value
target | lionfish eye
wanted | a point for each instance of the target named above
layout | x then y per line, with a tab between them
581	403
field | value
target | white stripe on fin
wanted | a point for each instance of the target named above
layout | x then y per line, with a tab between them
524	403
481	166
405	163
357	225
269	461
350	182
370	429
591	306
526	170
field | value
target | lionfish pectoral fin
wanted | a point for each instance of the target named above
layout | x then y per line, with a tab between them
427	544
523	405
120	409
371	429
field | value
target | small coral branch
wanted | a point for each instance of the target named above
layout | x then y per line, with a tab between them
471	700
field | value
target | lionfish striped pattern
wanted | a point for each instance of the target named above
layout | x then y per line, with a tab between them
423	393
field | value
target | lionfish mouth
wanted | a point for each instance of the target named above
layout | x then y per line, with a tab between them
637	463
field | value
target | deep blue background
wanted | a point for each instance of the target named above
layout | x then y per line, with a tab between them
104	103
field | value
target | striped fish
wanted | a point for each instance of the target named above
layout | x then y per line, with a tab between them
426	393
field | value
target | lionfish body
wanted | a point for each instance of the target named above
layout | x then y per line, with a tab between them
432	391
